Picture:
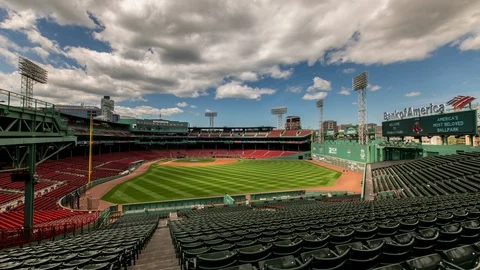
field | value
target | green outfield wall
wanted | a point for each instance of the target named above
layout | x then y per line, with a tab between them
342	150
345	154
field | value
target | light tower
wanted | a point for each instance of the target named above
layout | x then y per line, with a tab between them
359	84
320	111
31	74
212	116
279	112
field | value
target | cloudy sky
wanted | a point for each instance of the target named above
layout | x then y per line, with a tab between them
241	58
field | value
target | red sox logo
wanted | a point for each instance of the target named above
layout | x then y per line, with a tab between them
417	128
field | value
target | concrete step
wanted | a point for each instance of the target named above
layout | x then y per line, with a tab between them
159	253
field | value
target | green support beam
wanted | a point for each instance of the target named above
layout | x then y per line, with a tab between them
29	192
36	140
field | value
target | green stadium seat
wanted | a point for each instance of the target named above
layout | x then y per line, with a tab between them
287	247
216	260
325	259
312	242
287	262
254	254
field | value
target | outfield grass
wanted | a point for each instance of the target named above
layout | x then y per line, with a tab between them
246	176
194	160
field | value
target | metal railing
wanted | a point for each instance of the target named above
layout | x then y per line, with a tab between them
20	236
12	99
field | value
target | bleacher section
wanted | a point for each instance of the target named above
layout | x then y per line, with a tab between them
429	176
69	174
9	220
304	132
290	133
82	128
407	233
113	247
275	133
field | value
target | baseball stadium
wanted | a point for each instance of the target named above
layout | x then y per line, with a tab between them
83	187
154	189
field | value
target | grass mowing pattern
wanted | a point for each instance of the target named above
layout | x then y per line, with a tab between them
195	160
170	183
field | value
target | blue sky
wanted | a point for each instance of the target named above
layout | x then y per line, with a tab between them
245	62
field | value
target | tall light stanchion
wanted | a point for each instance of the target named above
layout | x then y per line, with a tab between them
211	116
279	112
320	129
31	74
359	84
90	152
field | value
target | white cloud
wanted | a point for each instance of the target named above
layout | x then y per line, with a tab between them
146	111
413	94
345	91
174	47
319	84
354	103
277	73
62	12
235	89
248	76
182	104
294	89
374	88
208	110
471	43
23	19
315	96
193	106
348	70
314	92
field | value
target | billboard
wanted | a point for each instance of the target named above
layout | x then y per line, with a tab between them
458	123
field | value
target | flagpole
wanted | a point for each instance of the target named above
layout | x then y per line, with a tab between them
90	152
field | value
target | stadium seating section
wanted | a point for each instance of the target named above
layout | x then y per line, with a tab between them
102	129
276	133
430	176
112	247
441	232
433	223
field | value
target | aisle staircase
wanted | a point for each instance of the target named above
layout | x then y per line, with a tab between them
160	253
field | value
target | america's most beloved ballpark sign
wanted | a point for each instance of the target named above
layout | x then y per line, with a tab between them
458	123
458	103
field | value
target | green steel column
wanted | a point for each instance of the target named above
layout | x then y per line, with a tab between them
29	190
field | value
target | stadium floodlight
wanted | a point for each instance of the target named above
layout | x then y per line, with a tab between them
320	111
360	83
279	112
31	74
211	116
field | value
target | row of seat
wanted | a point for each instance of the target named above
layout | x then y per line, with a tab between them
342	257
113	247
288	228
430	176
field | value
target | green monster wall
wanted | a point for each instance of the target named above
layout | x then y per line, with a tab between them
348	155
343	150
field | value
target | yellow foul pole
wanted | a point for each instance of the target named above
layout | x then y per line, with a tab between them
90	151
